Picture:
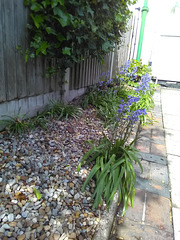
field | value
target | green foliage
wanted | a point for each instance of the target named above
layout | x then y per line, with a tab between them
113	170
40	120
71	30
20	124
37	193
120	102
16	124
57	109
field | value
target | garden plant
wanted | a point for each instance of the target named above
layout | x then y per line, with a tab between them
70	31
121	102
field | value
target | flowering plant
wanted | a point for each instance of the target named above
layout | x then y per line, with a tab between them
121	102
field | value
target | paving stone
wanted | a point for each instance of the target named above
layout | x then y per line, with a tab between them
176	221
150	186
174	166
158	212
130	230
152	158
143	146
158	149
135	213
146	170
158	136
159	173
171	122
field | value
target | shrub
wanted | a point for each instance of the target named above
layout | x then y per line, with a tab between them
71	30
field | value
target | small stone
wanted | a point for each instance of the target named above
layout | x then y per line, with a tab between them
41	212
11	217
2	230
9	234
71	185
77	214
70	226
36	225
21	237
12	224
42	237
2	215
56	236
81	237
76	196
20	204
72	235
47	209
18	216
47	227
25	214
5	226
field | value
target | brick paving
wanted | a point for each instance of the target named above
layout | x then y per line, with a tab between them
150	218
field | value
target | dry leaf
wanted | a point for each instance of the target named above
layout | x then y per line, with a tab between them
20	196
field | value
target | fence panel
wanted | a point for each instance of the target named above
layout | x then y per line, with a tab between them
2	76
20	80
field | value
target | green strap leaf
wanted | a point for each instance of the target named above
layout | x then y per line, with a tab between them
37	193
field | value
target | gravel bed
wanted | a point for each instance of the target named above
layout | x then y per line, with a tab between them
47	161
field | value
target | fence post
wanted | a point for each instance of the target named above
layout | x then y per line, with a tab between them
65	87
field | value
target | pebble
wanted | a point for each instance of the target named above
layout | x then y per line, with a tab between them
11	217
21	237
47	160
25	214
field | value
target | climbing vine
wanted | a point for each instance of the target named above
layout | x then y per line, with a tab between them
71	30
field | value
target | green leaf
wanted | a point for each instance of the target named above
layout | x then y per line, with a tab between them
64	19
49	30
38	19
37	193
54	3
90	176
36	7
66	51
42	48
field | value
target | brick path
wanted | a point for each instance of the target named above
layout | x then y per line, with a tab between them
150	218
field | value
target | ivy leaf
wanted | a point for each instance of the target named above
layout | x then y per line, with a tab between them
66	51
42	48
37	193
64	19
45	3
80	12
118	17
49	30
105	46
94	28
38	20
60	37
54	3
36	7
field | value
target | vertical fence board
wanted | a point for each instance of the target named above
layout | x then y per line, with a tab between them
39	76
31	77
2	76
9	48
46	79
20	33
52	78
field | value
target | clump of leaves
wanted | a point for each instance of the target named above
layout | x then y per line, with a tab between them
68	30
57	109
16	124
40	120
112	171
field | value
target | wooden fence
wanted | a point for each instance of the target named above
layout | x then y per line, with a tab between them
24	85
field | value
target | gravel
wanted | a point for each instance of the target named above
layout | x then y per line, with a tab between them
46	161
